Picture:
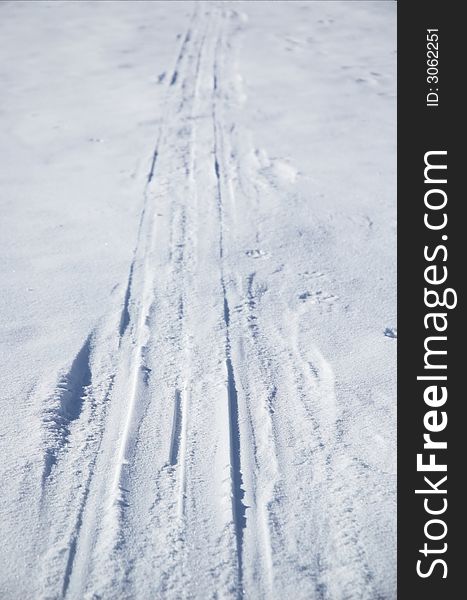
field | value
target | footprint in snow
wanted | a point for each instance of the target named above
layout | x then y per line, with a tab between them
391	332
256	253
319	297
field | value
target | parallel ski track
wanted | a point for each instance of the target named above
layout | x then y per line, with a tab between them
224	149
126	323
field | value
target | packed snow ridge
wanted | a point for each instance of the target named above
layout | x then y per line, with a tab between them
198	304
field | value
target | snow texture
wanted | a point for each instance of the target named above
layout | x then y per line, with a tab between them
198	300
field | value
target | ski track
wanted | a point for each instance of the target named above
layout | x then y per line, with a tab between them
97	418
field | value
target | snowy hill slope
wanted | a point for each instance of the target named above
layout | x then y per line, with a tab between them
198	280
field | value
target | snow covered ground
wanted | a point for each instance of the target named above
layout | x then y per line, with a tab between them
198	300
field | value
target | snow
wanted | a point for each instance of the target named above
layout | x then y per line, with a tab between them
198	300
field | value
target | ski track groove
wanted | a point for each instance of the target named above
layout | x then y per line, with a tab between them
238	493
176	430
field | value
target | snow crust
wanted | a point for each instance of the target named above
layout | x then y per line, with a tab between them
198	276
